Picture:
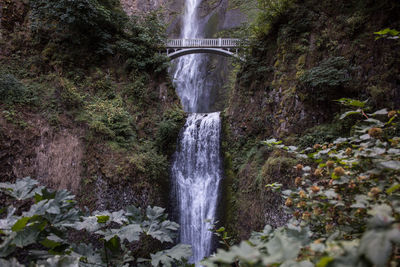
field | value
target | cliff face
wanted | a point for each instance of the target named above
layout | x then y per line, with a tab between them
65	155
215	16
99	129
287	89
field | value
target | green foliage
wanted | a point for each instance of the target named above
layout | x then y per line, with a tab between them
110	119
325	133
41	231
273	167
168	257
150	162
265	248
13	91
139	92
85	31
69	95
169	128
141	45
88	23
352	102
322	82
345	212
22	189
272	13
387	33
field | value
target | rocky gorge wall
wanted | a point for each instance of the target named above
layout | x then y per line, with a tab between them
99	131
271	98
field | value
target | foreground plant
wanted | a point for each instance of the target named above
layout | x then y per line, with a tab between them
36	229
346	207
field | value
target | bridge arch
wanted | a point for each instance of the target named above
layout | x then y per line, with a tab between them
216	51
180	47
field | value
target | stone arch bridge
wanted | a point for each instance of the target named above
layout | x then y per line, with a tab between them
225	47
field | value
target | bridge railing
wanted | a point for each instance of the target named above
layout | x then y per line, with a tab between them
220	42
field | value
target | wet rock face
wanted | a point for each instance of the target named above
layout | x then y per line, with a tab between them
29	146
52	156
134	6
60	158
171	10
214	15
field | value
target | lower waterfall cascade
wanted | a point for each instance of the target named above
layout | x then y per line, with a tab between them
196	173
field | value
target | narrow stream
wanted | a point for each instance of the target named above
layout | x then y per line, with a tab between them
196	168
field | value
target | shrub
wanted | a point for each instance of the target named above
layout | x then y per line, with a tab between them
331	72
138	91
70	95
322	81
274	168
323	133
110	119
168	129
140	47
84	31
13	91
272	13
82	23
151	163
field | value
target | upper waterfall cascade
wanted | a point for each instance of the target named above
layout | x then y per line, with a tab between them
196	169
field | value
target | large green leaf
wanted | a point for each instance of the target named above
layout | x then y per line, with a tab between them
22	189
164	231
157	227
167	257
292	263
26	237
281	248
377	247
10	220
65	219
10	263
99	220
391	164
7	247
129	232
87	254
60	261
352	102
20	224
89	224
133	213
348	113
380	112
154	213
244	251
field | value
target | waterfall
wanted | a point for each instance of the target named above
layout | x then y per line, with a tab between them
189	77
196	172
196	168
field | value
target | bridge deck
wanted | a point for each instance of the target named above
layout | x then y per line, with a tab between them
200	43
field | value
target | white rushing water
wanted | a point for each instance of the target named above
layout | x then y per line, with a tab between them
196	168
189	77
196	172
